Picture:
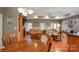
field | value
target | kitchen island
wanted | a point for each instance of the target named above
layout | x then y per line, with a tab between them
73	42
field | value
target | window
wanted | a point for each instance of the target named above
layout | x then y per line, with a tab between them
42	26
58	25
28	26
52	25
55	25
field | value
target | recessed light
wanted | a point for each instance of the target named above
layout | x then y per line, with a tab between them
30	11
46	17
57	17
35	17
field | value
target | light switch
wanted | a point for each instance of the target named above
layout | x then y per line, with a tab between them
15	28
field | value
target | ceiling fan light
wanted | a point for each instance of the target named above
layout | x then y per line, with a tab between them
25	13
30	11
21	10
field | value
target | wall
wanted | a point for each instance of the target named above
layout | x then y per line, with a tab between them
1	12
1	23
10	13
75	21
46	21
1	9
8	28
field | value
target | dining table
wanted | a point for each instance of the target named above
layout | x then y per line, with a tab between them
56	37
26	46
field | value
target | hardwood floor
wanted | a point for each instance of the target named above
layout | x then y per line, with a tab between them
58	46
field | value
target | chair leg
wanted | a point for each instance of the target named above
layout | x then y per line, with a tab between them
49	47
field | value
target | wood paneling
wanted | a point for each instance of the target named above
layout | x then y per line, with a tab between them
73	42
20	28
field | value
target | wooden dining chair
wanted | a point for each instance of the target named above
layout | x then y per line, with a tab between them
49	43
13	38
36	36
49	47
6	40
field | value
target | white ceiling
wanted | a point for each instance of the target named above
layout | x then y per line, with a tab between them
54	11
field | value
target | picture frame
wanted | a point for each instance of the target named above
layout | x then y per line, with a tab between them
10	20
75	22
66	22
36	24
70	24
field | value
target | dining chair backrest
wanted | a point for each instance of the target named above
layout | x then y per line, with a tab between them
14	38
44	38
64	38
6	40
36	36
